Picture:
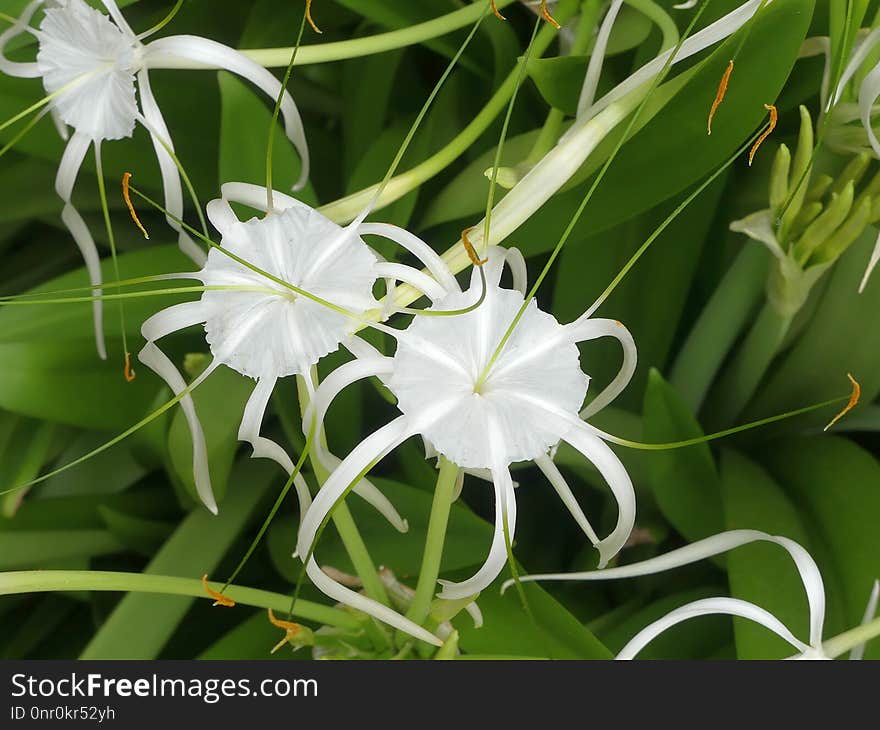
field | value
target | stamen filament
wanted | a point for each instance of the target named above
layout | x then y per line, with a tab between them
162	23
497	11
309	17
291	629
774	116
719	96
127	197
853	401
219	598
545	13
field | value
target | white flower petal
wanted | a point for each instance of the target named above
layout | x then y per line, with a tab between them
117	16
870	611
416	246
90	63
594	68
872	264
613	472
707	606
12	68
859	55
254	196
554	476
759	227
340	593
590	329
505	512
217	55
868	93
407	274
517	263
160	136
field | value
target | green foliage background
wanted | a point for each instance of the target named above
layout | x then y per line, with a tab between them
132	508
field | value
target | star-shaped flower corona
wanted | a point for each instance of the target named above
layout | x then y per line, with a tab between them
710	547
93	67
485	412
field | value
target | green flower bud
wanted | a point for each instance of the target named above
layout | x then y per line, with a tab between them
853	172
832	249
821	228
807	215
819	187
800	172
779	178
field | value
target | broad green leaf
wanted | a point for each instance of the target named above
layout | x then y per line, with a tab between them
763	573
141	624
836	484
45	548
141	535
684	481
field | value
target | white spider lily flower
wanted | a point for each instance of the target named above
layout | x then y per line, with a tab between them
94	66
483	413
263	329
707	548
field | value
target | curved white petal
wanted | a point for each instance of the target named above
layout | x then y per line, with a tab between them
870	611
407	274
709	547
173	319
872	263
614	473
371	450
158	362
706	606
416	246
217	55
591	329
868	93
858	57
161	138
505	512
221	215
348	597
118	17
12	68
71	162
517	263
475	613
760	227
554	476
254	196
594	68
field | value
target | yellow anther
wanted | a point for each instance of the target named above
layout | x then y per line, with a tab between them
291	629
497	11
471	251
853	401
309	17
128	372
219	598
546	15
774	116
126	179
719	96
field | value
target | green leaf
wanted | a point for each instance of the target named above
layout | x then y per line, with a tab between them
141	624
684	481
253	638
45	548
141	535
837	486
763	573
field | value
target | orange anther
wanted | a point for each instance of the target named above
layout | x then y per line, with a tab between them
774	116
471	251
219	598
546	15
291	629
309	17
497	11
719	96
128	372
853	401
126	178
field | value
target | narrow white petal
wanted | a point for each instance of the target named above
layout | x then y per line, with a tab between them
254	196
707	606
870	611
160	136
348	597
594	68
872	263
416	246
858	57
371	450
505	511
517	263
591	329
554	476
614	473
158	362
221	215
219	56
407	274
118	17
71	162
12	68
173	319
760	227
868	93
475	613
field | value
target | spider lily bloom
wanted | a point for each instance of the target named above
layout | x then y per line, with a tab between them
807	229
709	547
486	413
267	328
93	66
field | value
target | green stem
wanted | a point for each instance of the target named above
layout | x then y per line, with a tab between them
430	570
41	581
344	522
849	640
744	374
722	319
347	208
